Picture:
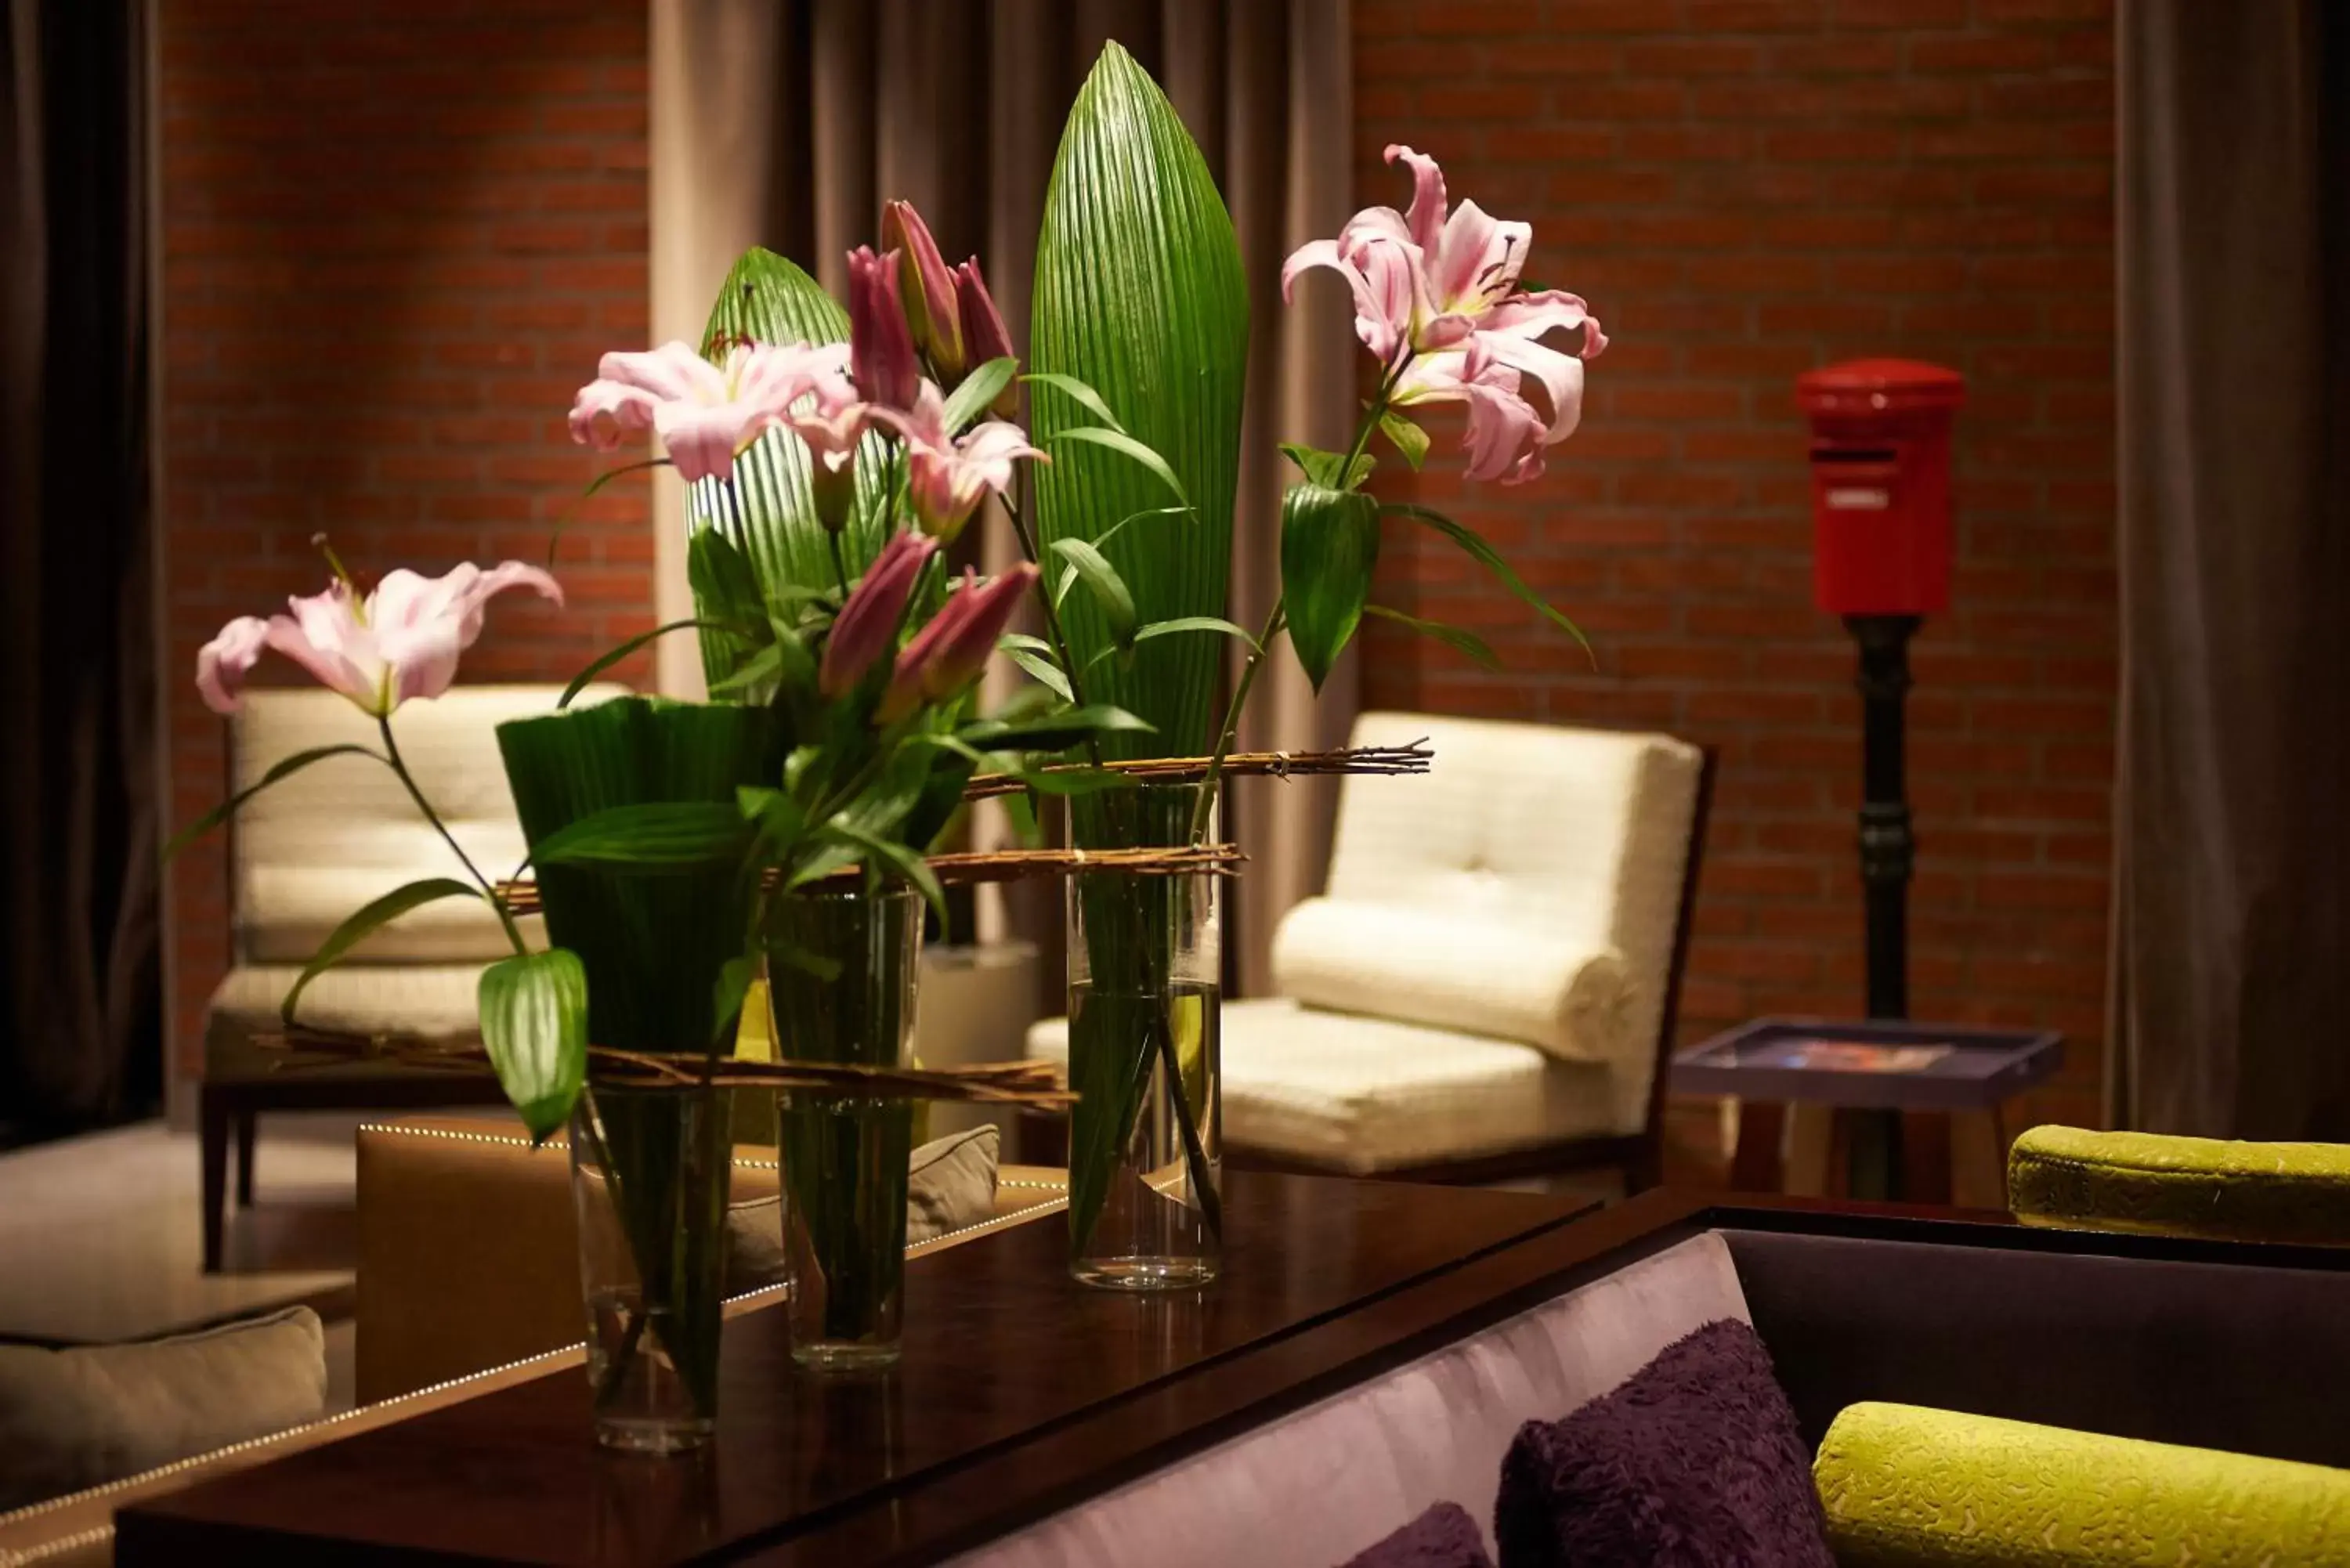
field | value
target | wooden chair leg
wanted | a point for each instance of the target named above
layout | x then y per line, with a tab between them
213	1118
244	1159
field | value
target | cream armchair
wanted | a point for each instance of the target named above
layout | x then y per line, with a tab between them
1486	988
312	848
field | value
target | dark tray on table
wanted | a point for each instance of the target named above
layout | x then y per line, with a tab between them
1883	1063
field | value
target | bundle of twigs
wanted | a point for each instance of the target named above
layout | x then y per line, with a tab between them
996	1083
1414	758
1009	866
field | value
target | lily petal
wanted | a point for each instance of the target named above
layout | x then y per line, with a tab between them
223	664
1426	219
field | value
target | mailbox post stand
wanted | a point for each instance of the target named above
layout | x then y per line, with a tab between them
1887	854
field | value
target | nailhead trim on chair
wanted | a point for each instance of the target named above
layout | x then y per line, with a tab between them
10	1558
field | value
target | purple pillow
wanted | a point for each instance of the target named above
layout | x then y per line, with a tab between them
1443	1537
1695	1462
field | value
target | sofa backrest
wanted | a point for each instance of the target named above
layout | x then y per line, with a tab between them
1527	888
315	845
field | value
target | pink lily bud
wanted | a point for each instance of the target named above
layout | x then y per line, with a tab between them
945	657
880	351
927	288
984	334
866	627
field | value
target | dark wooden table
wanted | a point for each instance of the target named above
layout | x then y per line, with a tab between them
1019	1393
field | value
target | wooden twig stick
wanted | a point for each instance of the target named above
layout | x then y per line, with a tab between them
1413	758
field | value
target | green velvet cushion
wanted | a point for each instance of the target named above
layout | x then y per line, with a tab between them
1907	1488
2190	1186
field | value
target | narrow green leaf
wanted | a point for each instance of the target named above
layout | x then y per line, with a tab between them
1118	440
533	1013
970	399
1011	640
1490	559
652	837
282	768
1108	588
1052	732
1461	639
1321	467
1409	441
366	920
1044	672
1194	623
726	994
580	681
1087	398
901	860
1329	547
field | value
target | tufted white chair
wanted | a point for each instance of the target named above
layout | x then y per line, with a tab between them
314	847
1486	986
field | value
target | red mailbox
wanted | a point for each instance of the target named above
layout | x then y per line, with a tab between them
1881	484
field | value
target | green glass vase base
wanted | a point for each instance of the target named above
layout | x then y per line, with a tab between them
1138	1274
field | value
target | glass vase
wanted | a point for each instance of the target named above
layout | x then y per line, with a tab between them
841	975
648	1185
1146	1145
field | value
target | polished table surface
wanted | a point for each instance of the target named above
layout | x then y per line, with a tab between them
1019	1393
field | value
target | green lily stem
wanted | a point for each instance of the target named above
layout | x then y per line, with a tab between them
489	889
839	563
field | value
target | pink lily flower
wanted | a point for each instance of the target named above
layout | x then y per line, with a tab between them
1523	398
866	627
880	347
402	641
947	476
984	336
831	420
703	413
927	287
945	657
1432	277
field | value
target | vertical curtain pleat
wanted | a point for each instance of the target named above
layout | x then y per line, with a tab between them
2231	987
958	108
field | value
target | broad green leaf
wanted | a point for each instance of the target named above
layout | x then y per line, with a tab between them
1140	297
580	681
726	595
1409	441
1490	559
533	1011
1459	638
1321	467
1087	398
280	769
1193	623
365	921
1047	673
1052	732
652	837
978	389
1329	546
1118	440
1108	588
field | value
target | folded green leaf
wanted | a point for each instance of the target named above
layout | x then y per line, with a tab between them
1047	673
1329	547
604	662
1118	440
1109	589
1052	732
726	994
1011	640
1087	398
1470	541
650	837
1409	441
1322	468
978	389
533	1013
903	861
363	923
282	768
1193	623
1459	638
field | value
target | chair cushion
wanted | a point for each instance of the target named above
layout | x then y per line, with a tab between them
1693	1462
1365	1094
1905	1485
74	1418
315	845
950	1184
423	1002
1570	999
2189	1185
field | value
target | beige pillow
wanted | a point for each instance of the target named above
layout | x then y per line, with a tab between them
951	1184
79	1417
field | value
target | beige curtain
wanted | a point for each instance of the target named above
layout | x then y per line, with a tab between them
788	123
2232	984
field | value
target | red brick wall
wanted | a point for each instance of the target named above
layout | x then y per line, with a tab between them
396	235
1744	189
